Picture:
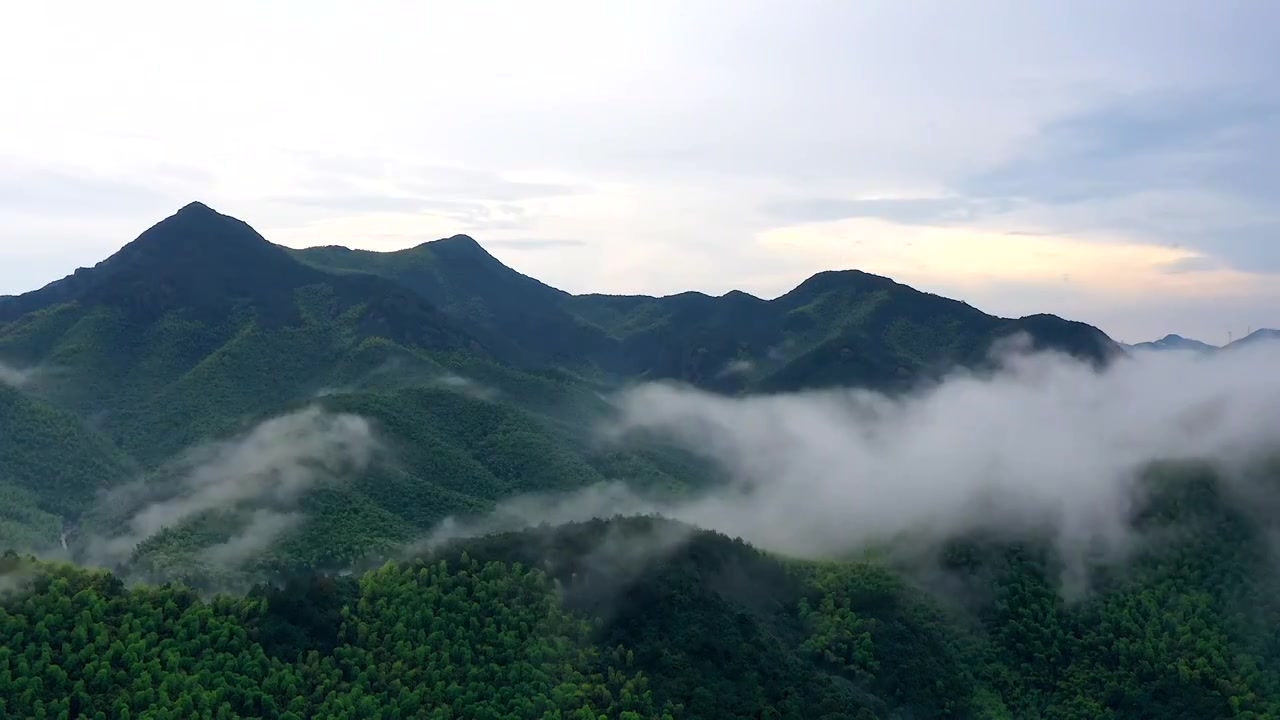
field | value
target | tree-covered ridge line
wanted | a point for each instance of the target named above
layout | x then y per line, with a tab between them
837	327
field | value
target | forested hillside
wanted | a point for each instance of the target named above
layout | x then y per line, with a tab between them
51	466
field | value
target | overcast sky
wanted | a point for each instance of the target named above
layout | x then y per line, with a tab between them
1117	163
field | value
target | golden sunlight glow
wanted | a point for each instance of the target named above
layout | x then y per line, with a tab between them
968	257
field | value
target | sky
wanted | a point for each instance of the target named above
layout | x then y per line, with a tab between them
1116	163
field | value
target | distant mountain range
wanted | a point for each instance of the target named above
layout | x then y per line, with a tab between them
1177	342
1173	342
1263	335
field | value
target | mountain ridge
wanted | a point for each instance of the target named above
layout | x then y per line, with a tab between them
1259	335
696	337
1177	342
1173	341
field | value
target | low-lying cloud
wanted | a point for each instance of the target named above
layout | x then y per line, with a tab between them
14	377
398	373
265	473
262	529
1044	443
523	511
466	386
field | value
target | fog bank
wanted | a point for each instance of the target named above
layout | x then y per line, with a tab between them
1045	443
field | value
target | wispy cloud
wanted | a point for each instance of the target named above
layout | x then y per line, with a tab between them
263	528
466	386
14	377
265	472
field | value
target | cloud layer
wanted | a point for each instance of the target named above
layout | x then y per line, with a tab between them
1045	443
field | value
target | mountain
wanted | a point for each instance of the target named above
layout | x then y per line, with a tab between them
1257	336
201	323
1174	342
845	327
509	310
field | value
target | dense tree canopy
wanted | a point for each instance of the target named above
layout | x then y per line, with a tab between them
643	617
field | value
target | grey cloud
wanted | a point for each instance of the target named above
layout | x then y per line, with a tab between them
1199	169
1142	143
1196	168
1255	248
271	467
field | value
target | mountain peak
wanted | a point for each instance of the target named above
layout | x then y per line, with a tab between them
461	244
196	223
1173	341
196	258
829	280
195	206
1260	335
461	247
